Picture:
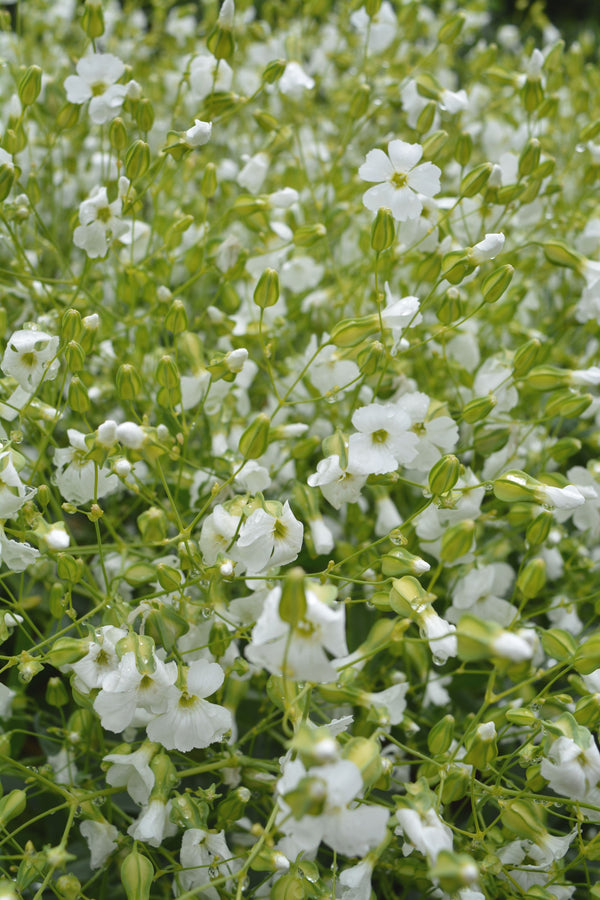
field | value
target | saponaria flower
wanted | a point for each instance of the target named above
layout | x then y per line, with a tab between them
400	180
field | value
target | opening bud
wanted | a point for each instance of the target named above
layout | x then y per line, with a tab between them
398	561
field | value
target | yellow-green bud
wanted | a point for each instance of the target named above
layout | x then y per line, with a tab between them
371	359
137	160
360	101
427	86
74	356
11	806
208	185
547	378
444	475
350	332
568	404
68	116
255	439
407	594
496	283
482	748
142	647
441	735
558	253
434	143
456	266
366	754
514	486
232	807
66	651
529	157
457	540
56	693
144	114
176	319
307	235
478	409
532	578
558	644
165	627
77	396
292	605
290	887
71	325
454	871
68	568
167	373
426	117
153	524
273	71
68	887
475	180
464	148
538	530
522	817
475	638
117	134
532	94
30	85
220	42
92	20
523	717
173	238
128	381
372	7
219	639
526	356
564	448
588	654
398	561
451	307
456	783
188	811
451	29
587	710
266	292
169	577
383	230
590	131
137	873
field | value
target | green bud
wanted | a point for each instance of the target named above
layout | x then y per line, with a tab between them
307	235
167	373
30	85
232	807
350	332
463	149
522	817
451	29
456	266
457	540
360	102
66	651
538	530
371	359
142	647
441	735
56	693
426	117
590	131
496	283
558	253
336	444
77	396
137	160
532	578
173	239
266	292
456	784
451	307
522	717
68	116
117	134
525	357
137	873
92	20
587	711
444	475
433	144
407	594
11	806
219	639
383	230
366	754
74	356
169	577
165	627
176	319
144	114
289	887
273	71
529	157
220	42
153	524
427	86
372	7
292	605
68	568
68	887
568	404
475	180
564	448
128	381
398	561
478	409
255	439
547	378
558	644
482	749
208	185
475	638
8	176
532	94
188	811
588	654
515	485
454	871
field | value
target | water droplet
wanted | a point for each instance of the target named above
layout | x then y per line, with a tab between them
489	487
579	148
206	612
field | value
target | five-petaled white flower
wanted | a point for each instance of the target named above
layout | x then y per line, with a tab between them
399	179
30	357
95	81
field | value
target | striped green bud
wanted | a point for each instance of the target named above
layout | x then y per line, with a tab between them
407	595
522	817
547	378
68	568
515	485
496	283
350	332
266	292
144	114
464	148
434	143
478	409
457	540
564	448
255	439
128	381
167	373
532	94
56	693
165	627
292	605
366	754
451	29
426	117
153	524
137	873
441	735
92	20
137	160
454	871
398	561
538	530
117	134
529	157
558	253
456	266
176	319
475	638
189	812
77	395
558	644
208	185
273	71
526	356
588	654
360	101
232	807
383	230
371	359
475	180
532	578
451	307
169	577
482	748
11	806
307	235
444	475
30	85
568	404
68	887
66	651
74	356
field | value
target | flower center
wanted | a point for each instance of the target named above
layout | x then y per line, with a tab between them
399	179
187	700
28	359
103	214
98	88
279	530
379	437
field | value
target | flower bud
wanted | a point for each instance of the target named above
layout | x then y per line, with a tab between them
176	320
444	475
457	540
441	735
587	710
289	887
514	486
117	134
11	806
128	381
451	28
255	439
564	448
68	568
451	307
482	749
350	332
30	85
464	148
266	292
547	378
538	530
165	627
526	356
208	185
144	114
74	356
336	444
456	783
522	817
307	235
188	811
586	658
292	605
167	373
407	595
558	644
365	753
371	359
220	42
77	395
137	160
529	157
433	144
532	578
8	176
496	283
475	180
137	873
92	20
68	887
568	404
454	871
169	577
360	102
56	693
532	94
66	651
232	807
590	131
426	117
478	409
558	253
383	230
475	637
273	71
398	561
456	266
68	116
153	524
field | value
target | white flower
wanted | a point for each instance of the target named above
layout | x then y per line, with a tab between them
100	221
204	856
99	661
30	357
218	532
56	537
153	824
381	28
202	76
191	721
132	771
131	435
383	440
266	541
126	692
101	839
13	493
294	81
400	180
424	832
568	497
439	634
435	436
299	651
199	134
509	645
337	485
254	172
488	248
95	81
80	479
356	881
572	771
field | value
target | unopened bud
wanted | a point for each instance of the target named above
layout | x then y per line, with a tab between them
532	578
255	439
153	524
307	235
11	806
482	749
117	134
66	651
451	29
137	873
398	561
475	180
444	475
457	540
522	817
514	486
167	373
454	871
538	530
360	102
137	160
478	409
558	253
56	693
92	20
365	753
144	114
496	283
292	605
529	157
74	356
558	644
441	735
547	378
350	332
128	381
568	404
71	325
383	230
371	358
451	307
526	357
266	292
532	94
464	148
208	185
434	143
165	627
220	42
273	71
30	85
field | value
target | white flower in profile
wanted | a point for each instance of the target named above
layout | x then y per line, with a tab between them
383	441
100	222
254	172
356	881
337	485
205	77
381	28
439	634
153	824
572	770
294	81
199	134
95	81
132	771
191	722
29	358
78	478
488	248
101	838
217	534
267	540
423	831
399	179
298	651
13	493
203	854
